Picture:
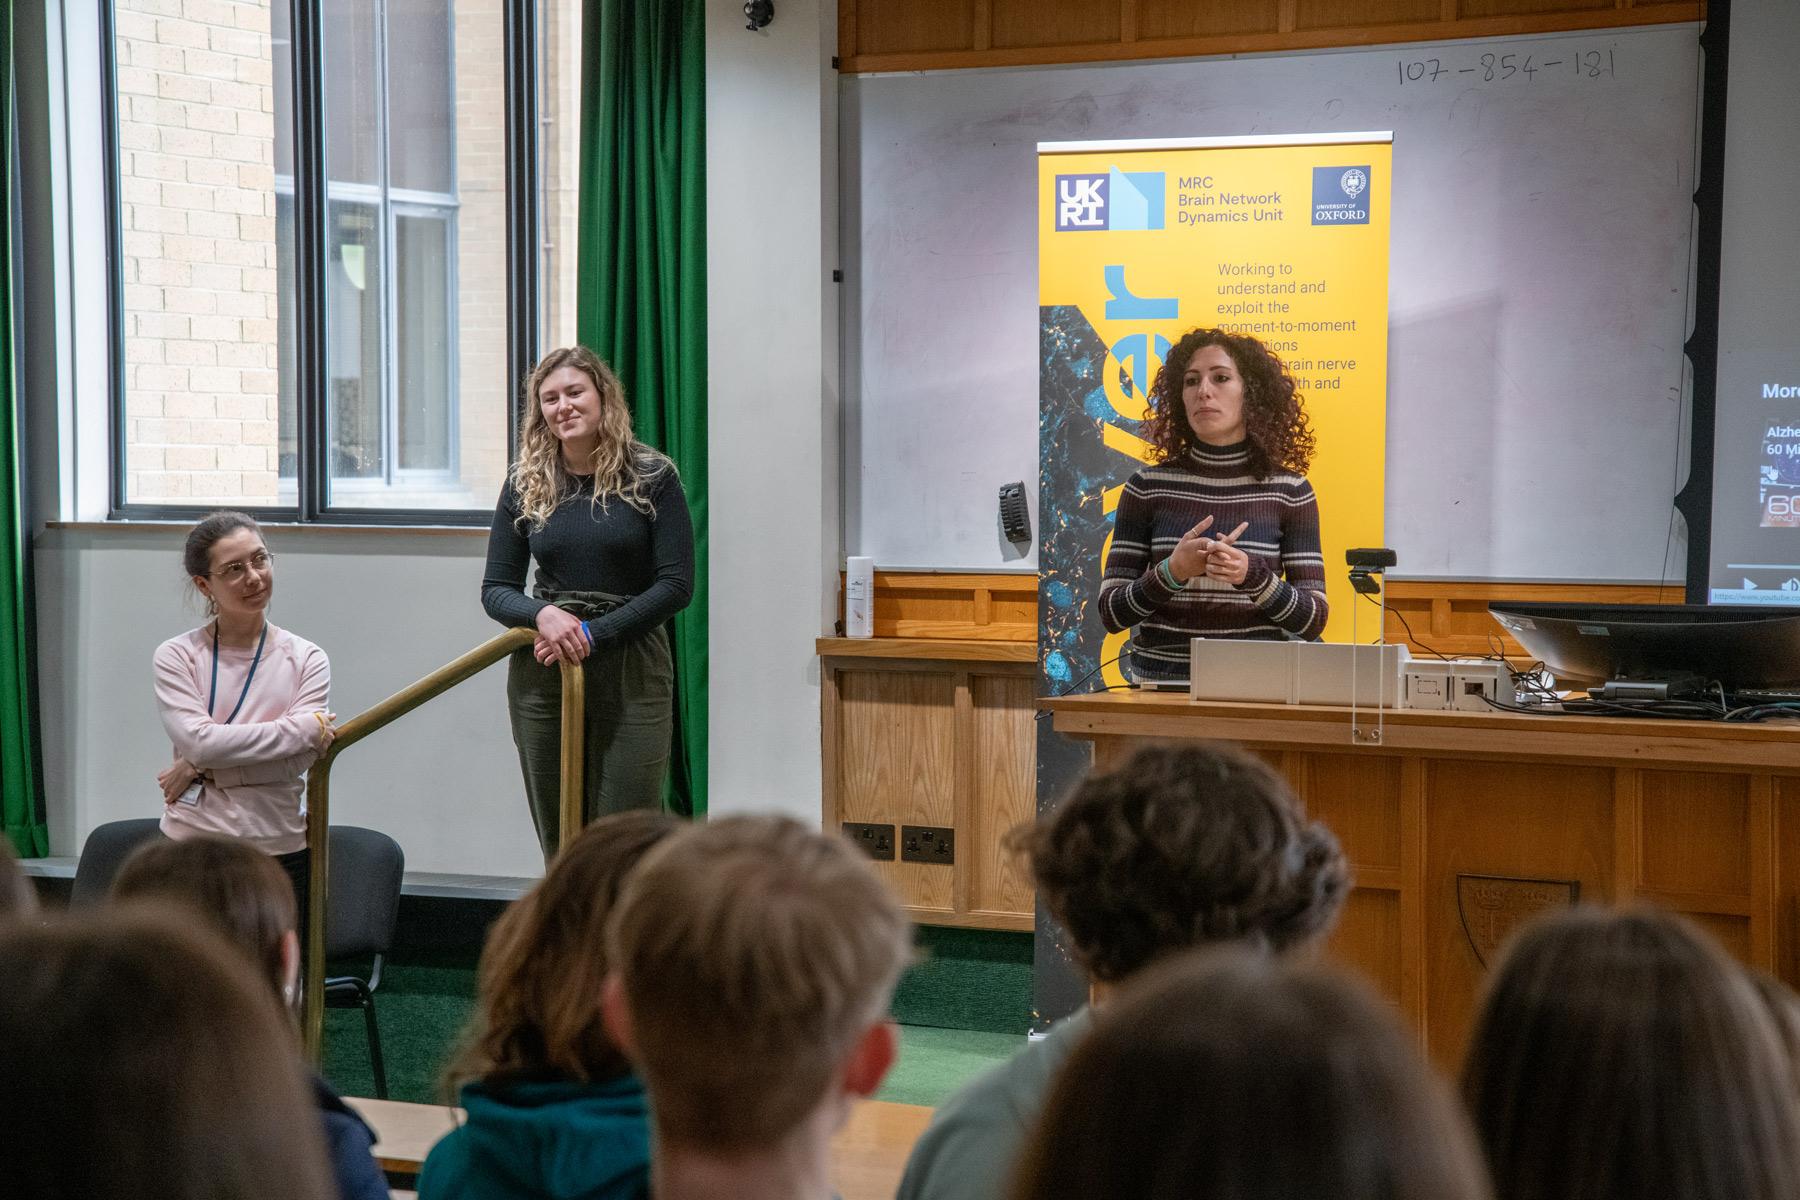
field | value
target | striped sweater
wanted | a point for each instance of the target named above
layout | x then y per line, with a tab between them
1283	593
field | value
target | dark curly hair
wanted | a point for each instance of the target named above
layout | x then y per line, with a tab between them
1182	846
1275	424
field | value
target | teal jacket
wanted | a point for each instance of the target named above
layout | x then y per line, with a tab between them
545	1140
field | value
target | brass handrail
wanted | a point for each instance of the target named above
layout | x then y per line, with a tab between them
318	788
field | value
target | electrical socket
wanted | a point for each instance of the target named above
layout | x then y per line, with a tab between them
927	844
877	841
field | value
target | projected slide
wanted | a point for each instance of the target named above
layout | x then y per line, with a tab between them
1756	485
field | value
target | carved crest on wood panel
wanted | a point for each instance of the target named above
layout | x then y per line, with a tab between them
1492	906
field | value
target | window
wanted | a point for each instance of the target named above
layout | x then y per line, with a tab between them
316	209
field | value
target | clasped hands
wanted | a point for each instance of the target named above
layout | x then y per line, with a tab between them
1214	557
561	639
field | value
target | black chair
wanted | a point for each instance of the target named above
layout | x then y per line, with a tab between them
363	906
104	852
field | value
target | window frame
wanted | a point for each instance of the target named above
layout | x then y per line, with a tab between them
311	209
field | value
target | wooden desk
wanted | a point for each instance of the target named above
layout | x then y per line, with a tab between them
1462	825
867	1155
405	1133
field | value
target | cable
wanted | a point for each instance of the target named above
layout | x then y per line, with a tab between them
1071	689
1410	635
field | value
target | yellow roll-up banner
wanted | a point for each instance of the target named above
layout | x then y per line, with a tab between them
1282	238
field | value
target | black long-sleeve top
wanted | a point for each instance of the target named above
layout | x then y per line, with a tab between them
583	547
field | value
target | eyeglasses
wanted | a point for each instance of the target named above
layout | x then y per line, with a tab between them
233	572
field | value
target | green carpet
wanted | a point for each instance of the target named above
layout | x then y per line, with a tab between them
935	1062
968	979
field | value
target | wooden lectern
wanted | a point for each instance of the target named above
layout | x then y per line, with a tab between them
1461	825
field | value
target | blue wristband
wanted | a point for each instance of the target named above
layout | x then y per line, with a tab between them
587	633
1168	574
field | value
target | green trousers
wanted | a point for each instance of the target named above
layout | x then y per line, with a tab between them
630	722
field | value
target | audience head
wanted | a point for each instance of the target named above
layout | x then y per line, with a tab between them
1623	1054
236	889
1183	846
545	964
754	959
145	1061
1236	1075
17	897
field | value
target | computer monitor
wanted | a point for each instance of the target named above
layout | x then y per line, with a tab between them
1742	647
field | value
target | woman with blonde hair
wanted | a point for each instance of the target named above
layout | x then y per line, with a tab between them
606	520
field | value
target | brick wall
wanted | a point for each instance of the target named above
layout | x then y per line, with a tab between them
481	246
197	190
560	162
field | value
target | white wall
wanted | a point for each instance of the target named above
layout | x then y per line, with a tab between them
771	129
388	606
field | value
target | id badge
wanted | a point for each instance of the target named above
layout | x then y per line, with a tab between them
192	795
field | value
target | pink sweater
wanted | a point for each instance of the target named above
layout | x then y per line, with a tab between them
255	764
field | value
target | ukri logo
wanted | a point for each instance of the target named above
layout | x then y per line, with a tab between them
1115	200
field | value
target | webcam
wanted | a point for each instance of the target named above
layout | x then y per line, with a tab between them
758	13
1365	564
1377	558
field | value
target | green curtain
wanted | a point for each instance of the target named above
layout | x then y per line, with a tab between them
641	300
19	804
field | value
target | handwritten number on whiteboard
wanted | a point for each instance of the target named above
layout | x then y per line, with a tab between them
1590	64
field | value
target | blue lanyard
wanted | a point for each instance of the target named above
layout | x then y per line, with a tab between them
214	692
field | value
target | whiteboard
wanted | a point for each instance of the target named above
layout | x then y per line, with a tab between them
1540	271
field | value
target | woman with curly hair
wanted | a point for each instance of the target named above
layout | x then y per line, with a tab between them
1220	537
607	522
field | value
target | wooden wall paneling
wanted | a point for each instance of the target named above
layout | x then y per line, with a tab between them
1764	934
831	740
1415	932
1003	795
915	740
954	605
1732	932
1368	939
1363	14
1035	23
1628	834
1696	833
1010	33
896	26
1357	797
1786	884
1199	18
962	870
1537	822
1448	615
1452	617
897	763
1516	8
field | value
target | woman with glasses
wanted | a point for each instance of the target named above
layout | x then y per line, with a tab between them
244	704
